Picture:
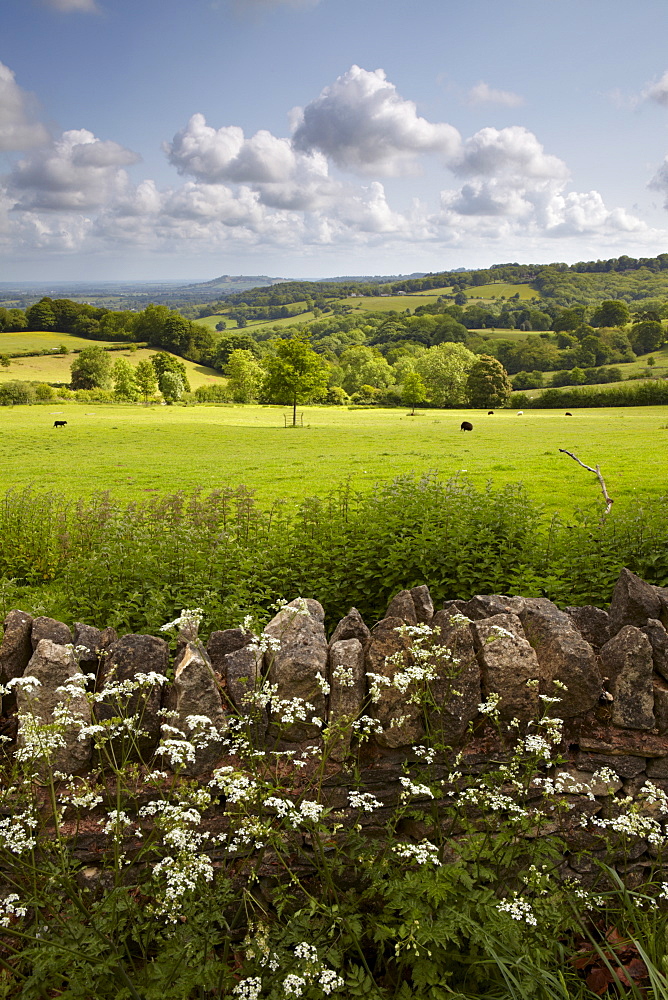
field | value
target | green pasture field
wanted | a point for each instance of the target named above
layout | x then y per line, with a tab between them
256	325
494	333
136	450
392	303
45	341
604	386
640	364
56	368
627	369
499	289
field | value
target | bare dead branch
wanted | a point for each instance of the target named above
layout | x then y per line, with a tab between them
597	471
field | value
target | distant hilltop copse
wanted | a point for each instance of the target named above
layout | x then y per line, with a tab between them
239	282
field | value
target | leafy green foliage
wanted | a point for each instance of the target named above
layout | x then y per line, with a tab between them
488	383
163	362
135	566
413	390
245	376
295	373
92	369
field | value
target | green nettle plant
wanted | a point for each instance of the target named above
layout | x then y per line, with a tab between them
134	565
137	881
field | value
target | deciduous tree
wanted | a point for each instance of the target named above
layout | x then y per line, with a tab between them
91	369
164	362
125	384
647	336
41	316
413	390
295	373
444	370
611	312
244	376
146	379
171	386
488	383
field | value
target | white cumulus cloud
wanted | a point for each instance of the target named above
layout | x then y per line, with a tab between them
482	93
74	194
361	123
77	171
283	177
224	154
658	91
660	181
18	128
513	151
513	185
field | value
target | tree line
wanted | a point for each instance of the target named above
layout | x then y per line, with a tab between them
156	325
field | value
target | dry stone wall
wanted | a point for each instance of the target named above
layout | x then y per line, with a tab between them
610	667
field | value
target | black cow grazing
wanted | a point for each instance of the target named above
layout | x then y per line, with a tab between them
490	413
466	426
568	414
59	423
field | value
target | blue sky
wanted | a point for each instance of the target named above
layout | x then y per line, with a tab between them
161	139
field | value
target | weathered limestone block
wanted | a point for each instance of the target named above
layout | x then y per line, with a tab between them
294	667
592	623
347	682
487	605
508	661
658	768
315	608
424	606
455	607
49	628
563	656
108	636
195	695
627	662
241	672
624	766
457	691
132	655
633	602
660	689
242	675
53	665
602	738
351	627
658	638
87	644
16	648
224	642
401	720
662	594
402	606
576	777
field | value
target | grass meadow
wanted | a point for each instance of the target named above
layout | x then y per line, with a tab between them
43	340
500	290
56	368
136	450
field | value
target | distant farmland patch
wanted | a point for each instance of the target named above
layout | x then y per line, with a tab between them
501	289
386	303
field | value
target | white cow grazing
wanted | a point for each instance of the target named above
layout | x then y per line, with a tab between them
520	413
